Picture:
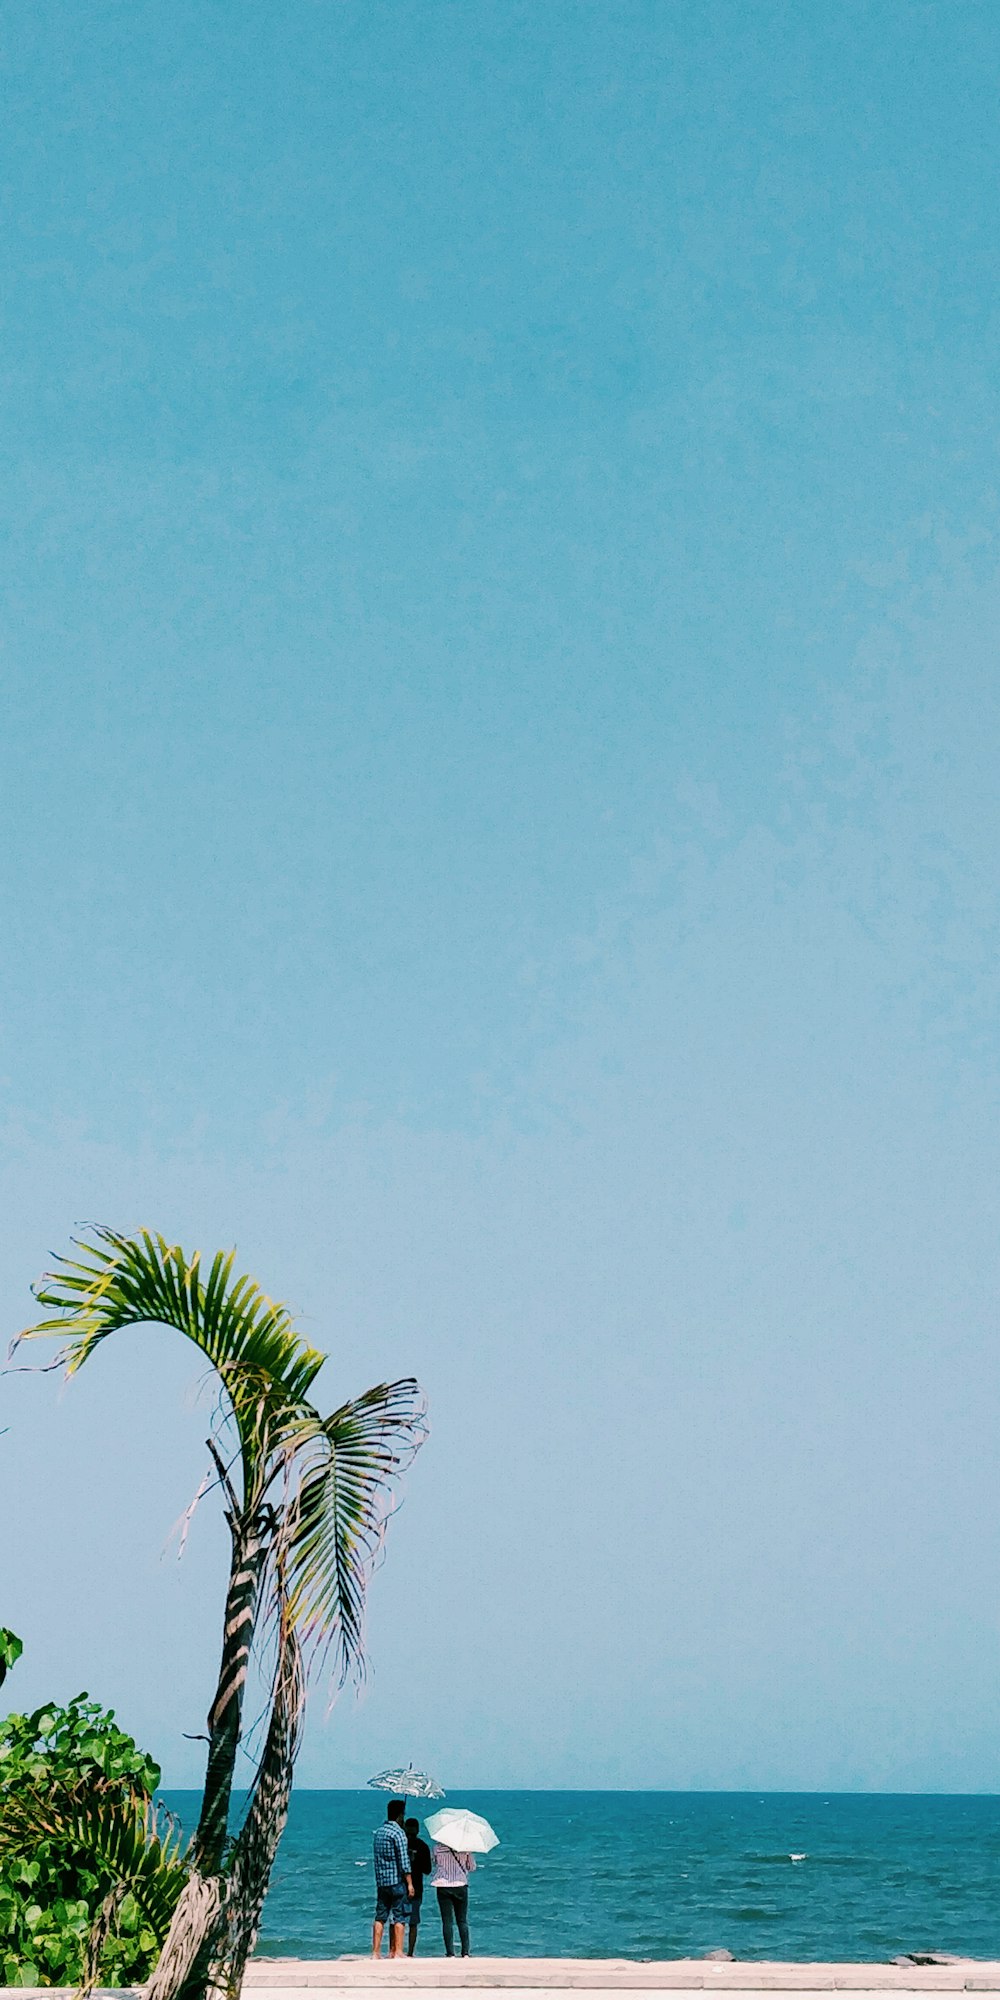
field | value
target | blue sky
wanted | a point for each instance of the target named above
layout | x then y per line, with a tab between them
499	762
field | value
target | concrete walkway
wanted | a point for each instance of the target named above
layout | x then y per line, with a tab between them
601	1978
534	1978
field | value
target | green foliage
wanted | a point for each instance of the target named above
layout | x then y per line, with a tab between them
54	1764
11	1649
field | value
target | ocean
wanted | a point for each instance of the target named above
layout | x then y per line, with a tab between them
664	1875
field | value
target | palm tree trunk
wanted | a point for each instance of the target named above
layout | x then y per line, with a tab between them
262	1829
183	1970
183	1964
250	1542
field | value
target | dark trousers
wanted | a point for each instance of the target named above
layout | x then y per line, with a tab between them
454	1907
414	1925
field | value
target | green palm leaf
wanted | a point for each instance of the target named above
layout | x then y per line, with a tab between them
347	1465
117	1281
121	1281
125	1838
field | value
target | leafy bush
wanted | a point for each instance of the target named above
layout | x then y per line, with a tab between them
51	1887
10	1650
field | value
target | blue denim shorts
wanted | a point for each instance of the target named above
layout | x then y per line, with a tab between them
392	1904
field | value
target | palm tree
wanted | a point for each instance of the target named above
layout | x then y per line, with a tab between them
306	1500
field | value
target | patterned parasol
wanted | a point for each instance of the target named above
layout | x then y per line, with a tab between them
408	1784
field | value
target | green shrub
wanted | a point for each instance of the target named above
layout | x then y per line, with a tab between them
10	1651
51	1889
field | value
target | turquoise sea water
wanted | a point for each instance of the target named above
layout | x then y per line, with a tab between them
665	1874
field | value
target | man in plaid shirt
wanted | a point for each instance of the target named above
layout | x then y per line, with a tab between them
393	1881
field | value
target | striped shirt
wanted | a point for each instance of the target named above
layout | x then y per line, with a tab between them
391	1854
451	1870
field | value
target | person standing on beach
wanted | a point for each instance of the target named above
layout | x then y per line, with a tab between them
393	1881
420	1865
451	1880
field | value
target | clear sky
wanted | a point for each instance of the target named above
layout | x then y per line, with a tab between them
501	732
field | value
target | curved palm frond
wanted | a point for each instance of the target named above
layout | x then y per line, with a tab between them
124	1836
267	1369
101	1929
343	1467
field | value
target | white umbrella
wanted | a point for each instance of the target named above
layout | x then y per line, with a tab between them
461	1830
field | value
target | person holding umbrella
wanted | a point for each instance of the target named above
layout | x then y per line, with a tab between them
450	1878
399	1889
393	1881
455	1834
